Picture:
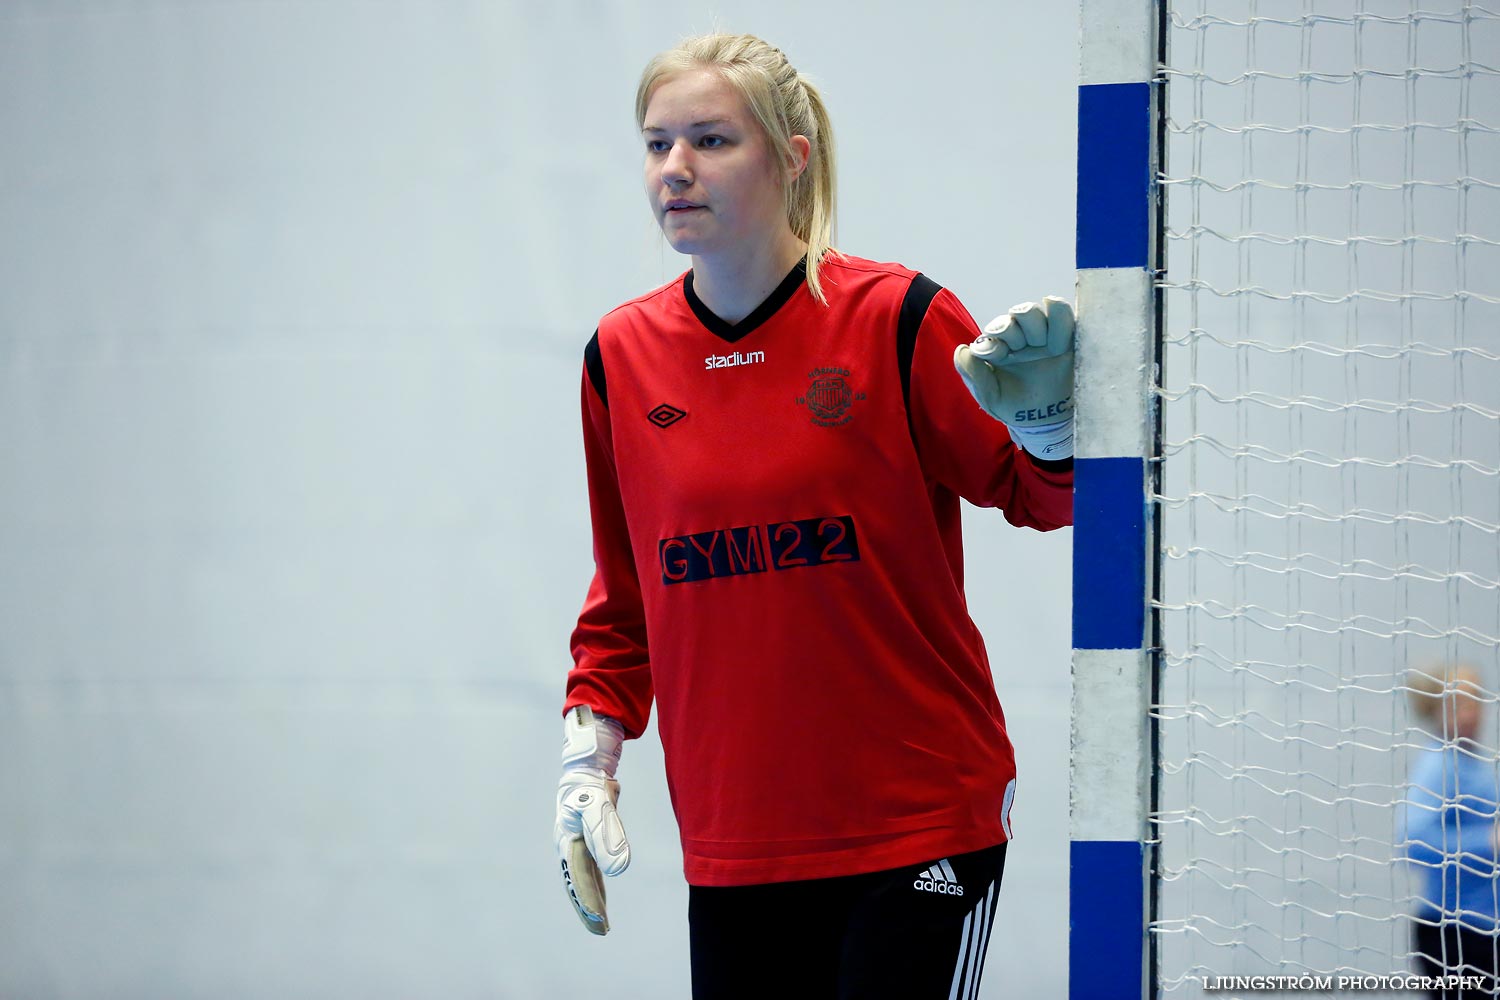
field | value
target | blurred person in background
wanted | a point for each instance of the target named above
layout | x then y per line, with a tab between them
1449	829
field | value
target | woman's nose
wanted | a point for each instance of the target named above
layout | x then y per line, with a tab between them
677	167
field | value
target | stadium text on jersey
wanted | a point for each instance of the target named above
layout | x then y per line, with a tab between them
732	360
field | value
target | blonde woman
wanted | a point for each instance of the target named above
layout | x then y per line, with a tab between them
1449	829
776	444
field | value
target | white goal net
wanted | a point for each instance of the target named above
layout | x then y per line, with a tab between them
1329	486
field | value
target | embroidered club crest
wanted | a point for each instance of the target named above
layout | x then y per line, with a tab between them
829	396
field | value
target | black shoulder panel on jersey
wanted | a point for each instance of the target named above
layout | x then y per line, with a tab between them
594	362
913	310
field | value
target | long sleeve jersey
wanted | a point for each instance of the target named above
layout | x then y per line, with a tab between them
1448	830
779	562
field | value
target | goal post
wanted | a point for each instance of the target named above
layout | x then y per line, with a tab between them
1287	500
1113	553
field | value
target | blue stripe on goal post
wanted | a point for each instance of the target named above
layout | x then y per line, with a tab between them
1109	553
1114	176
1111	767
1108	881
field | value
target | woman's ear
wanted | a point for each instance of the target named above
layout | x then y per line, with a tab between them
801	153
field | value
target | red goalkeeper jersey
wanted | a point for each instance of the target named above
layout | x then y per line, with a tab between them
779	562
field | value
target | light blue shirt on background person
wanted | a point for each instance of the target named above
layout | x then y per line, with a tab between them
1449	831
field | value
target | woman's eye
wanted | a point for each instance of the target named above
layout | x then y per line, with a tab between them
656	145
712	141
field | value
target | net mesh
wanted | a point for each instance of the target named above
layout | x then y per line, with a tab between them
1329	488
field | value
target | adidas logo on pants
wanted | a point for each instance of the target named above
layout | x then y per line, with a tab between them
939	878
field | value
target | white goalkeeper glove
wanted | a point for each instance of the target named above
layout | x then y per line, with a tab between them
590	837
1020	370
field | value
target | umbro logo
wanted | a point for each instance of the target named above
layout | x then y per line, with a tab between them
940	879
665	415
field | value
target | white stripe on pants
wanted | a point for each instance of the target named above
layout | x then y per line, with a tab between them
976	938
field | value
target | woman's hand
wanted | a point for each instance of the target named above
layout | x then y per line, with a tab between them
1020	371
590	837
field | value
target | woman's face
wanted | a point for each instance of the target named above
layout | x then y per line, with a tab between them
710	174
1465	712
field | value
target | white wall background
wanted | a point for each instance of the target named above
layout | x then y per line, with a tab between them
293	525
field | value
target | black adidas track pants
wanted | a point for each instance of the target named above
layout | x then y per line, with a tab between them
917	932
